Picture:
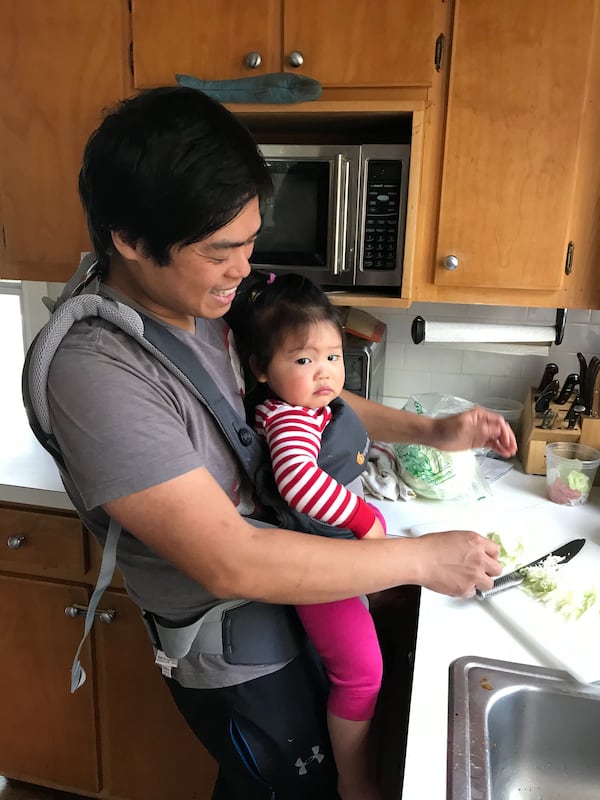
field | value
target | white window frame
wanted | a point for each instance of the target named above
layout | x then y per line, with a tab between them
34	314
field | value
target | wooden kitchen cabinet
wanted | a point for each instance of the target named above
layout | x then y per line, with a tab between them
47	736
120	736
518	79
167	759
358	44
60	64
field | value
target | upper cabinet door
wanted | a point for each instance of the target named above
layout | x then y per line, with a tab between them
208	39
60	64
516	95
361	43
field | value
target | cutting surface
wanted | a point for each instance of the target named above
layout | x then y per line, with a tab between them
571	644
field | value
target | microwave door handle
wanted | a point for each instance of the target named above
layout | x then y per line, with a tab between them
341	214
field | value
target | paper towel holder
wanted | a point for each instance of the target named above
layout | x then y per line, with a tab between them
417	330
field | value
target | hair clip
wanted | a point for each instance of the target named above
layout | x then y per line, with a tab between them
271	278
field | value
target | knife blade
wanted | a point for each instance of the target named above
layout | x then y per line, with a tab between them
515	578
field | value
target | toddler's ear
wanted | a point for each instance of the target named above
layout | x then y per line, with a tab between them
260	376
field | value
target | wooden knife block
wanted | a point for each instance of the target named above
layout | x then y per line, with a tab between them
533	439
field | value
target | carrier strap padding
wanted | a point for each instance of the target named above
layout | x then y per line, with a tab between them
161	344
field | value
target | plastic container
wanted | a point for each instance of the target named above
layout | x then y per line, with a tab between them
510	409
570	472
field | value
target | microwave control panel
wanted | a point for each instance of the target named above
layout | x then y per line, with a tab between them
382	214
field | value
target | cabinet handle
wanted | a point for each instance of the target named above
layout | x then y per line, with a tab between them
14	542
253	60
106	615
296	59
451	262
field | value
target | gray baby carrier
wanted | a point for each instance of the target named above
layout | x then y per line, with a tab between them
338	458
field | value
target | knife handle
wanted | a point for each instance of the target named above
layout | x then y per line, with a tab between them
500	584
549	372
571	381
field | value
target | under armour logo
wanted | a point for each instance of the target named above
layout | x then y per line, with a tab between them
316	756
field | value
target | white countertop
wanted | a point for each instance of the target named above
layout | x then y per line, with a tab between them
447	628
28	474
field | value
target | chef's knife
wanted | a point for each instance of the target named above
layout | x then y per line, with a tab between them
565	552
542	403
583	368
571	381
550	371
592	371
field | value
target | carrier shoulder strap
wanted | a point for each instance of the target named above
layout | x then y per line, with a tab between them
174	355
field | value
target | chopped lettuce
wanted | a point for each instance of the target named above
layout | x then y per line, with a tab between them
544	583
579	481
542	580
510	554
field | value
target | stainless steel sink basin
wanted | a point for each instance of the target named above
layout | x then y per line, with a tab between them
517	732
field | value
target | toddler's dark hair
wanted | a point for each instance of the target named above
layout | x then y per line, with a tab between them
289	304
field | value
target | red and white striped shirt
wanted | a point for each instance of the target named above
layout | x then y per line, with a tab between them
293	434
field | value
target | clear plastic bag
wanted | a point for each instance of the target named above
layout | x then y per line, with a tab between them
439	474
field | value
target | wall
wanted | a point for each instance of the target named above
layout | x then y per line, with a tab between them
475	375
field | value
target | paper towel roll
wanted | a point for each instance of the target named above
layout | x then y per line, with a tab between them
480	332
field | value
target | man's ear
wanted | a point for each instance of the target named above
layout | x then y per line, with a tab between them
125	249
258	374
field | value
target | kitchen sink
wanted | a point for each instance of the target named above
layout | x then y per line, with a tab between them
517	732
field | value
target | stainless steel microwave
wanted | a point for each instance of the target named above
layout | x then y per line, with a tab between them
337	213
364	362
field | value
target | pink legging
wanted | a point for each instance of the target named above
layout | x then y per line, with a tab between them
344	636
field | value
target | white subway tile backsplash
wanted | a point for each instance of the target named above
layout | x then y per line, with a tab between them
578	315
502	314
580	338
414	369
541	316
470	387
475	363
402	383
433	359
513	388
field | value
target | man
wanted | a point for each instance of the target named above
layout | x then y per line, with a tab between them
171	185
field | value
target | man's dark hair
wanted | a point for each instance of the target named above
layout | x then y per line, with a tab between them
166	168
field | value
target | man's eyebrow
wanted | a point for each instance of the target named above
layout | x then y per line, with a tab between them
226	244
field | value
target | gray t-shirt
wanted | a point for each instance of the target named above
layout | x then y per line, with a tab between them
124	423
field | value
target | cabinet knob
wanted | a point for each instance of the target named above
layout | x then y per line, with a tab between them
253	60
106	615
14	542
296	59
451	262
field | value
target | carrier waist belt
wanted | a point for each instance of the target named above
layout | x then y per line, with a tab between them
241	631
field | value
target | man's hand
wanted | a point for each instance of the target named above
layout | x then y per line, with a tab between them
457	563
474	428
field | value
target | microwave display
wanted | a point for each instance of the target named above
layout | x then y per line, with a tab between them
337	213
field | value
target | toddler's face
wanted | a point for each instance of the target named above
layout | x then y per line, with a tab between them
308	368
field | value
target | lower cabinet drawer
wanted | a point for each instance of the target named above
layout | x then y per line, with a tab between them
42	543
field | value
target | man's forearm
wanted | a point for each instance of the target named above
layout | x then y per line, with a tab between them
389	424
